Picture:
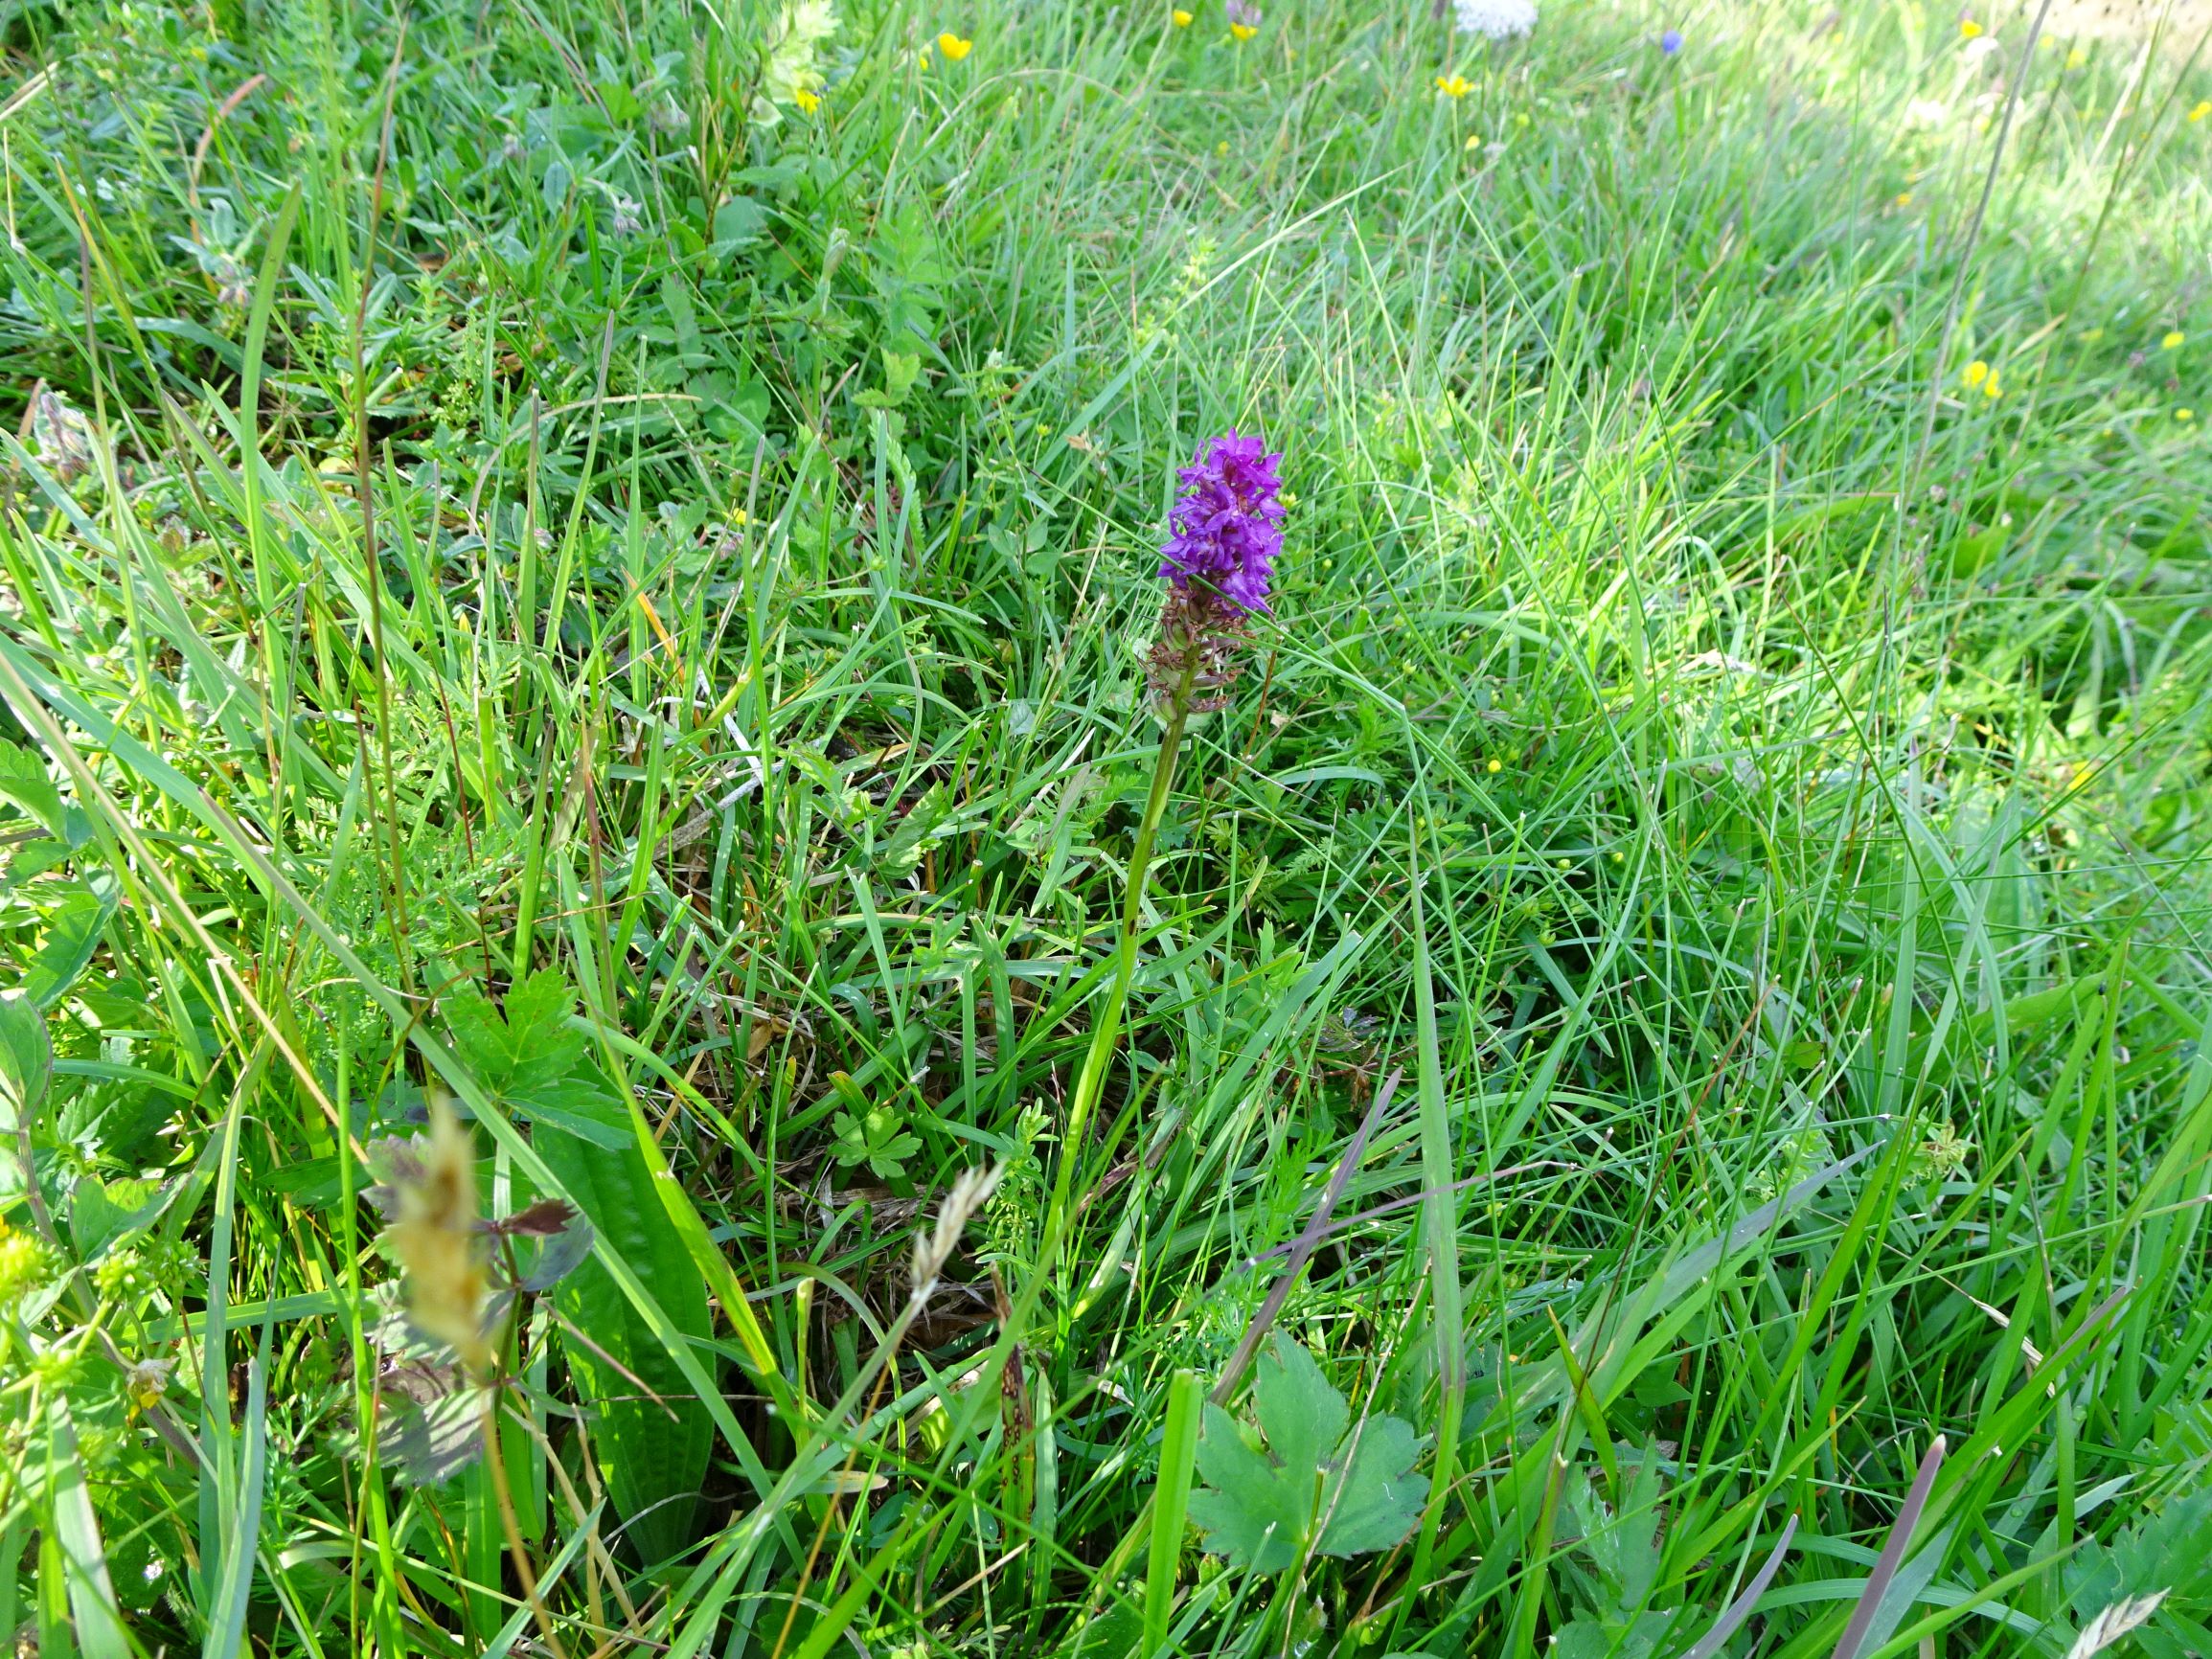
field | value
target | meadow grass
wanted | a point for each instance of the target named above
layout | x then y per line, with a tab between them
537	596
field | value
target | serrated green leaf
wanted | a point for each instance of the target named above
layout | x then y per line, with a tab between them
100	1212
1625	1546
525	1048
1623	1636
1376	1497
1302	1416
1258	1508
1246	1510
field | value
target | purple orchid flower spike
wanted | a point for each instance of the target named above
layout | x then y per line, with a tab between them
1225	535
1227	524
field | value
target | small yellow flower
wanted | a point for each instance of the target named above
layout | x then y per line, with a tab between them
808	101
2091	336
1180	18
1903	199
923	58
1976	371
1242	31
1990	387
2184	414
1496	764
1454	85
1475	141
2173	340
2201	111
953	47
1968	30
1520	119
144	1383
1222	148
2076	58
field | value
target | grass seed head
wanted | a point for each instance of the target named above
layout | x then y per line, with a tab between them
434	1236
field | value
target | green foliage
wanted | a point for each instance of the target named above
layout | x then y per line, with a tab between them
649	1433
619	599
2169	1551
1624	1549
1319	1481
875	1137
651	1436
25	1060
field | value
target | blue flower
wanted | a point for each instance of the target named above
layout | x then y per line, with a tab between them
1671	42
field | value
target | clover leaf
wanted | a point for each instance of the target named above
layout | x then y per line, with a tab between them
1314	1485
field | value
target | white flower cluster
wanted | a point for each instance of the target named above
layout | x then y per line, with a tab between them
1496	19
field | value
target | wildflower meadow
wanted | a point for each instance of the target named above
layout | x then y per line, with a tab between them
1106	830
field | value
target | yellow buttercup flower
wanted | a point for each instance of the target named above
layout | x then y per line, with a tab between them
2201	111
2173	340
1242	31
1180	18
2184	414
923	58
953	47
1496	764
1968	30
2076	58
1904	199
1990	387
1976	371
1454	85
1474	141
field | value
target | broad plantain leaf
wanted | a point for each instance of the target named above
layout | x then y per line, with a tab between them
653	1451
1258	1508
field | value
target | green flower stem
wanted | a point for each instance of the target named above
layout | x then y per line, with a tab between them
1091	1083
